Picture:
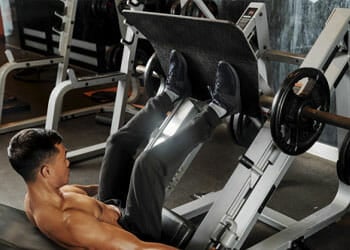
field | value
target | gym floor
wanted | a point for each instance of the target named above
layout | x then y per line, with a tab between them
309	185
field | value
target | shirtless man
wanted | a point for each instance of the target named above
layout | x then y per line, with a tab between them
127	211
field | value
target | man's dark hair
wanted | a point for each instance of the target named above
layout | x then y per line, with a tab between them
30	148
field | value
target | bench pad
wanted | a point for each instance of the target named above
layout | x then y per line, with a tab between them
16	232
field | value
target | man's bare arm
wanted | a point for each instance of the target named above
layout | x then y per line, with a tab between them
86	231
91	190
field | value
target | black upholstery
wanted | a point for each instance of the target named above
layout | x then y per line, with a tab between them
16	232
203	42
176	231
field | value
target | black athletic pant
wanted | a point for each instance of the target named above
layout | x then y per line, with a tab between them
139	184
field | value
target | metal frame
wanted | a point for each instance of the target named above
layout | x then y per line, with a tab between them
257	28
201	6
241	203
65	36
236	210
123	78
53	115
233	211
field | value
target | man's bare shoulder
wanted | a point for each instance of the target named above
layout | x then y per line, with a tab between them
72	189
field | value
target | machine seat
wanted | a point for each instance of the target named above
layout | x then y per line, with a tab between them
176	231
16	232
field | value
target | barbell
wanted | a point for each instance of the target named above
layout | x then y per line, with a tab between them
297	120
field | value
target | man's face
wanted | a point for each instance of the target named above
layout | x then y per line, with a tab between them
59	167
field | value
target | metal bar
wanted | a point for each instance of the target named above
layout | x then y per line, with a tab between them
66	38
201	5
86	152
329	118
10	66
275	219
333	32
40	120
196	207
315	114
283	56
266	101
310	224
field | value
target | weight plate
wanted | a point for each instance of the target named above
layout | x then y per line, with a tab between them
343	163
117	57
109	57
243	129
291	132
113	57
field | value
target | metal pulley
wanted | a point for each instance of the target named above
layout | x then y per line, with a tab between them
295	126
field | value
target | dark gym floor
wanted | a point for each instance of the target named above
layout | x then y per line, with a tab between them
309	185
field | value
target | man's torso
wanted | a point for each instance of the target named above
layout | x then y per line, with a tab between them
50	217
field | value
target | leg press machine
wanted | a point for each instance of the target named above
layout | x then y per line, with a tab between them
231	213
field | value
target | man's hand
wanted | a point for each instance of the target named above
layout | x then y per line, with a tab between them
110	214
91	190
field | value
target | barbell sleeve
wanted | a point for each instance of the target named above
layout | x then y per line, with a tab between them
326	117
266	101
314	114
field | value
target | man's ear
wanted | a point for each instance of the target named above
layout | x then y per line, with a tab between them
44	171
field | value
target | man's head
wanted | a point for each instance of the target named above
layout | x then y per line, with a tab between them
33	151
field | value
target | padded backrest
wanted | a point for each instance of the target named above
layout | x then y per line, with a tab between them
16	231
203	42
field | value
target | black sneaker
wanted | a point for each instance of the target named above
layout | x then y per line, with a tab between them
226	91
177	79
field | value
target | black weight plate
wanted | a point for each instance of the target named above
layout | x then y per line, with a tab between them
117	57
109	57
343	163
242	129
291	132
